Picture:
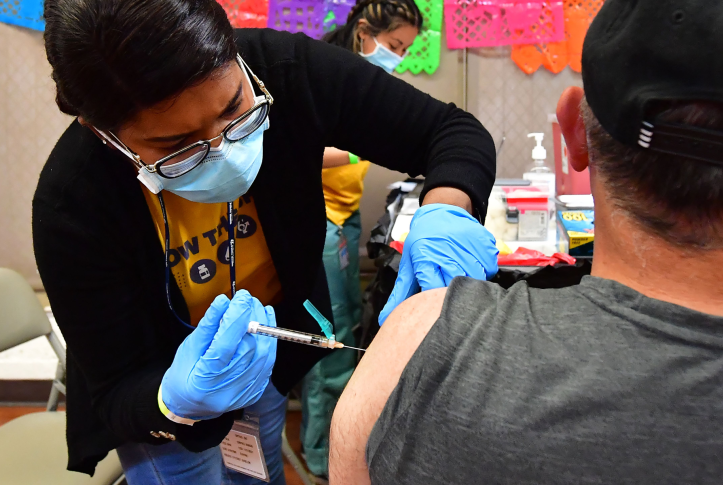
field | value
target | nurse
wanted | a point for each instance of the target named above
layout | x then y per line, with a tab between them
380	31
193	170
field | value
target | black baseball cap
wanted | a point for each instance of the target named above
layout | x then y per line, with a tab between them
641	53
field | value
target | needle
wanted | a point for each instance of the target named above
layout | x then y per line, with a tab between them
353	348
339	345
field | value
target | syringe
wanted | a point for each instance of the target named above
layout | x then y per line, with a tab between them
298	337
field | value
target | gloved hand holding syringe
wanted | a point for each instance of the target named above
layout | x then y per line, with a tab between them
327	342
214	371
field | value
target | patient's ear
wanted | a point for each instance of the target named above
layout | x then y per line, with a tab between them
573	127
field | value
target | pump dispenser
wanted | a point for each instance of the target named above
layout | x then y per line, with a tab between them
539	154
539	173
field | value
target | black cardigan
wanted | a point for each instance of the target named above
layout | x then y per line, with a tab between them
102	264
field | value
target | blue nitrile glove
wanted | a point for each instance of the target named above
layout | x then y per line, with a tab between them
444	241
219	367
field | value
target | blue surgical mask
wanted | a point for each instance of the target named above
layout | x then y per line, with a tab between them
225	175
383	57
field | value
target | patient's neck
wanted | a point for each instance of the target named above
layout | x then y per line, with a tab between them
624	252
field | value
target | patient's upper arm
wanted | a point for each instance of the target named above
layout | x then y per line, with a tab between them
374	380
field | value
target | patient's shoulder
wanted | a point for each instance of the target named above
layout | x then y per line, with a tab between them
464	297
414	317
467	296
374	380
434	318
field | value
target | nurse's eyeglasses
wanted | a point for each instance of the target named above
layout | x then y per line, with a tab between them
190	157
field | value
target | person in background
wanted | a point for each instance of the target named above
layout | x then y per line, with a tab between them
380	31
618	380
193	169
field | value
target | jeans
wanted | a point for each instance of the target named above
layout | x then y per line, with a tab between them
325	382
172	464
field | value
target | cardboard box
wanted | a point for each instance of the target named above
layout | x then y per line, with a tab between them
576	232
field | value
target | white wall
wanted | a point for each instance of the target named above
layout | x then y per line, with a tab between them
512	104
30	124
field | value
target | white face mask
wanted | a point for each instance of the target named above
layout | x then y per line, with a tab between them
383	57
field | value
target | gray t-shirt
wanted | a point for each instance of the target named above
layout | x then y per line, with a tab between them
594	383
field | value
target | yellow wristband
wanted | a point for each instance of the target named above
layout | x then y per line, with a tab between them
170	415
353	159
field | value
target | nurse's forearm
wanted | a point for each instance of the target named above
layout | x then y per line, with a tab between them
449	195
333	157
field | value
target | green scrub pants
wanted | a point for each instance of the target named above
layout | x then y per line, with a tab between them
325	382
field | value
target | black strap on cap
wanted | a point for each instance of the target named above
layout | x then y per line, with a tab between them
685	141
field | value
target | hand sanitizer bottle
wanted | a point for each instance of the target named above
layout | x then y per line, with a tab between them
539	173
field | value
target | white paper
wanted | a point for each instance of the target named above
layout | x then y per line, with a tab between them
577	201
533	225
410	205
401	226
404	186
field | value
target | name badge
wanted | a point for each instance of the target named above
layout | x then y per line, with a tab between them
241	448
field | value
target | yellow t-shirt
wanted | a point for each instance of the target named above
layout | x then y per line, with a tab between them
199	251
343	189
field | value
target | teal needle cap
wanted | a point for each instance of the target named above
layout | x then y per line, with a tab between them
325	324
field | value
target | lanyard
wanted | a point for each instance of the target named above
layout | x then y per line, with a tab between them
231	255
231	248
